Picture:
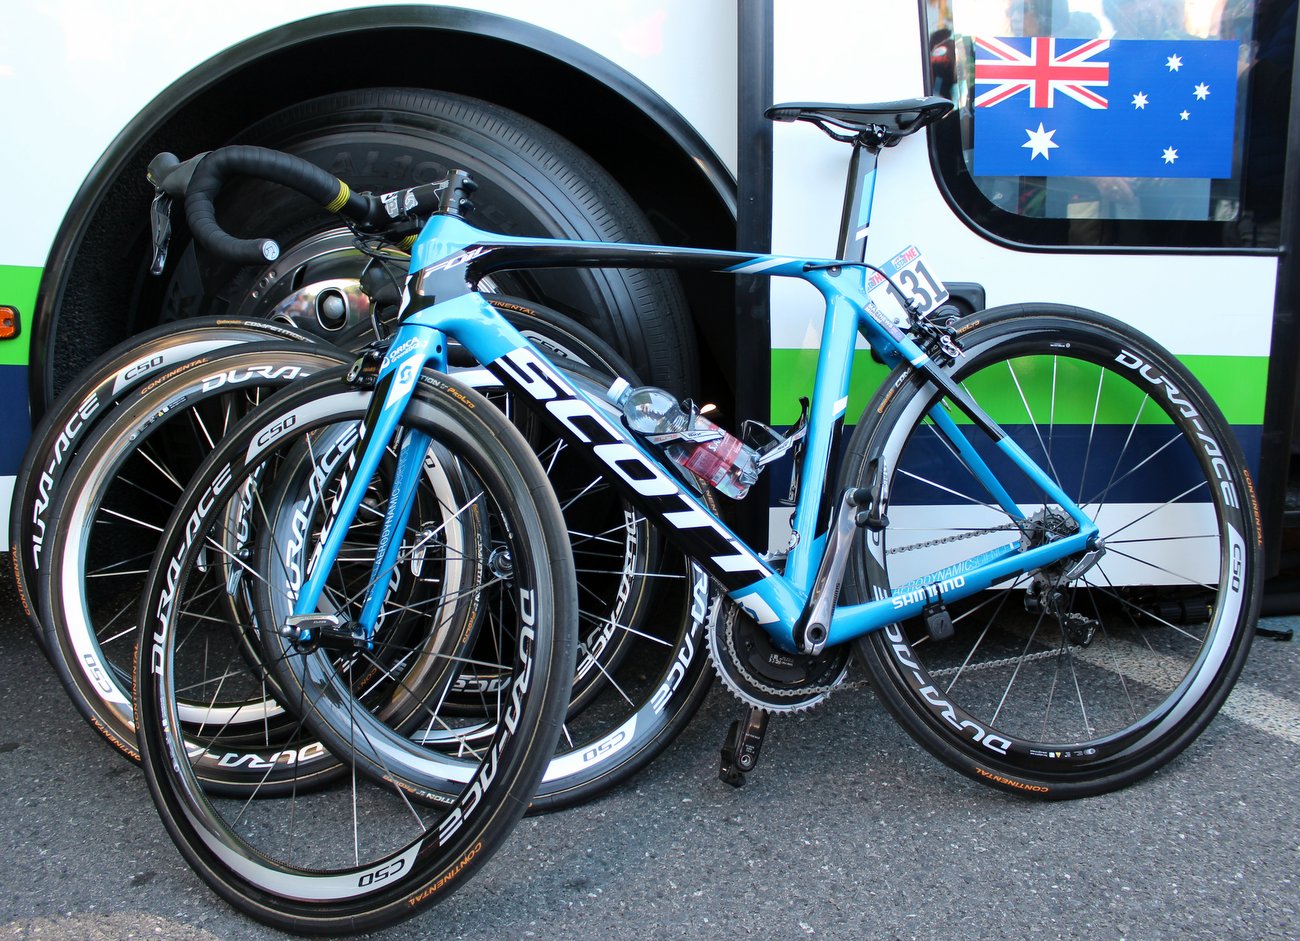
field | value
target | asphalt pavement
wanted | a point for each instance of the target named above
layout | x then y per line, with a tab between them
847	830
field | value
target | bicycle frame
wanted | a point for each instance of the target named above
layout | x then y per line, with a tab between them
440	302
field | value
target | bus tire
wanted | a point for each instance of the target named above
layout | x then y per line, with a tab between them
531	182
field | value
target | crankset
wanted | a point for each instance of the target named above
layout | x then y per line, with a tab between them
762	675
767	680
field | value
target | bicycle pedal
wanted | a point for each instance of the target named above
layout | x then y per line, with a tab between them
742	746
938	622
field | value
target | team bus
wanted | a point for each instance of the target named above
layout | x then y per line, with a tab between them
1132	158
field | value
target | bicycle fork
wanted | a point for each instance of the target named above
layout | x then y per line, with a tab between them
394	380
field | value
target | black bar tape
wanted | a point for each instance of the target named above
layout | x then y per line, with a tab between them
271	165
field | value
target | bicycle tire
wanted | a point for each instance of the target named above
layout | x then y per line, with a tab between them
605	745
1051	686
645	696
532	182
615	605
61	430
114	500
252	852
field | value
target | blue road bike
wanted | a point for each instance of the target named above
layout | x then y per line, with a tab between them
1040	540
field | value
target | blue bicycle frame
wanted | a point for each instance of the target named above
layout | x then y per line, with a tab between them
796	607
450	256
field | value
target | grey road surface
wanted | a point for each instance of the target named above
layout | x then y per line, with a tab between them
847	830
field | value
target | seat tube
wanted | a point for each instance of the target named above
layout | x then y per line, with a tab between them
859	192
825	423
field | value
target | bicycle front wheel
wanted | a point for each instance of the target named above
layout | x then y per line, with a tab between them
494	557
1088	675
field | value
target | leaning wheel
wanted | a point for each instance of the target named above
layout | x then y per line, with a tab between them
362	854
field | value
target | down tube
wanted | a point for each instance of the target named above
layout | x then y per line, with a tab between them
745	575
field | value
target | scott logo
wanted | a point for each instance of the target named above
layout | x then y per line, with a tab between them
611	445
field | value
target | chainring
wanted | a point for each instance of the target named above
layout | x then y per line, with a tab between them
760	674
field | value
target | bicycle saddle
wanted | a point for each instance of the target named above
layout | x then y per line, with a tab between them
882	123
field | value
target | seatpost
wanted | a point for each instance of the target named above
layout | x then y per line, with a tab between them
858	193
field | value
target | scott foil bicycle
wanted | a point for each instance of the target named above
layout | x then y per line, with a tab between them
1040	541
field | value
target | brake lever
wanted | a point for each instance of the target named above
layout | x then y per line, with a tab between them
160	223
171	179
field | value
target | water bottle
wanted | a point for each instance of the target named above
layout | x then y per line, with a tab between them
690	439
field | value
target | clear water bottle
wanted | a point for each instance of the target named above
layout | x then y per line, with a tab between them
688	438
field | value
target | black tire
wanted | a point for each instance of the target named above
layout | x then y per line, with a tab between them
360	856
1053	686
531	182
63	428
112	503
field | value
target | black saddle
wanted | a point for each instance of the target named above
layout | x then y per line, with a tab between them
880	124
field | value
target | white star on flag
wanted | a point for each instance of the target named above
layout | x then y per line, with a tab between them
1170	155
1040	142
1174	63
1202	91
1140	100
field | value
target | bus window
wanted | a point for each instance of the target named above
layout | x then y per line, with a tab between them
1105	122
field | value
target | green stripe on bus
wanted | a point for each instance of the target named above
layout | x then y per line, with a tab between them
18	289
1235	382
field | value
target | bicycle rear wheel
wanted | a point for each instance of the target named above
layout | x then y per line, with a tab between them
1065	682
363	853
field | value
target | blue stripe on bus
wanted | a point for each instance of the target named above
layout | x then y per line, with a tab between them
15	427
928	457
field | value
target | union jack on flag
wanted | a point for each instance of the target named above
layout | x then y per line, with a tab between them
1042	71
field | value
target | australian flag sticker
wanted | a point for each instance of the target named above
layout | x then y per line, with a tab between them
1105	107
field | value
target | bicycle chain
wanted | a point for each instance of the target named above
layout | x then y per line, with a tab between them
864	683
812	691
957	538
1005	661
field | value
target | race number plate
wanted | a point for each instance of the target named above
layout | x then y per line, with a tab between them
915	284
